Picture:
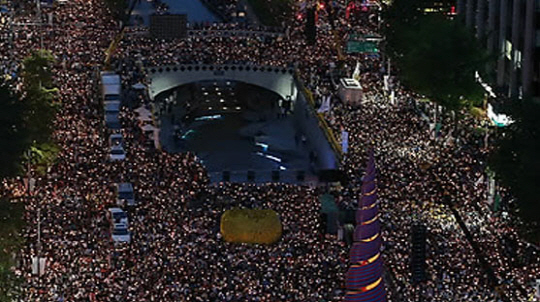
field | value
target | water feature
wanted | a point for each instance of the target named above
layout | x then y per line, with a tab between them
233	127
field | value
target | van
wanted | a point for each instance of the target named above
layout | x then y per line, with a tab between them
112	121
124	191
111	86
111	92
112	106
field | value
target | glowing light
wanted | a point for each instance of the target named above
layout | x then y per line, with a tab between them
371	238
366	288
187	134
371	221
209	117
277	159
262	145
366	262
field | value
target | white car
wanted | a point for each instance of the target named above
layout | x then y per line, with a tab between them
120	233
117	215
117	153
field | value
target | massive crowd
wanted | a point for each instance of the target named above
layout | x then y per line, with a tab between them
176	253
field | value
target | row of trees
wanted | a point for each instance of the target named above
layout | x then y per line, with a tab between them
26	119
516	162
438	57
26	125
272	12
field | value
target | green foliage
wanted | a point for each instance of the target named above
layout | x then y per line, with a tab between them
37	69
477	112
437	57
272	12
14	138
11	224
117	8
43	156
516	161
250	226
40	114
39	95
28	122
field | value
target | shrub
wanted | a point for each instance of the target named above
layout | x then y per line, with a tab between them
251	226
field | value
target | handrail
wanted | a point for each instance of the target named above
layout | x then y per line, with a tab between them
328	132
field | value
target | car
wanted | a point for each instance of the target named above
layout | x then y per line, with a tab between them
124	191
117	153
117	215
120	233
116	139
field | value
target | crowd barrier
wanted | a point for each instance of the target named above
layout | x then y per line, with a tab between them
329	133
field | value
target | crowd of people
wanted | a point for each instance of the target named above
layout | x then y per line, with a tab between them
176	251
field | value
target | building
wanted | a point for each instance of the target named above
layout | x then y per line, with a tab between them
510	29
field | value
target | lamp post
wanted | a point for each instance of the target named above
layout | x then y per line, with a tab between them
30	195
40	24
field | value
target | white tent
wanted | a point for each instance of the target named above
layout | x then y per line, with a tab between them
142	111
138	86
148	127
144	114
145	118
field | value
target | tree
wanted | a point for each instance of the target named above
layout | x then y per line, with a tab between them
436	57
14	137
38	96
516	161
37	69
11	224
117	8
440	62
401	16
272	12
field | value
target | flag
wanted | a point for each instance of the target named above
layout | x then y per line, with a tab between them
344	141
356	73
325	105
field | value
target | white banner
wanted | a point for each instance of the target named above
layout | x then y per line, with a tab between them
325	105
42	264
344	141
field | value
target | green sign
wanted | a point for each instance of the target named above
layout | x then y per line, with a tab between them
359	43
361	47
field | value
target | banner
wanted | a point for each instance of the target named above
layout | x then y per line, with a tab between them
356	73
344	141
41	265
325	105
